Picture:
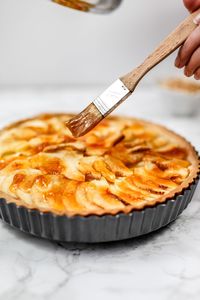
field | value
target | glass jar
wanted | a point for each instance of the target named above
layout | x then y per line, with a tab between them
95	6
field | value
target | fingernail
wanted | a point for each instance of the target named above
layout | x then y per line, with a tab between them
177	62
187	73
197	20
196	76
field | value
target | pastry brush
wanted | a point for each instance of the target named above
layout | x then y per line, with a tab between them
123	87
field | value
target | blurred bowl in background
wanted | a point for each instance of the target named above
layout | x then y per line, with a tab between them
182	96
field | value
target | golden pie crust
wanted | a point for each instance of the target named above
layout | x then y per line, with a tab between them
123	164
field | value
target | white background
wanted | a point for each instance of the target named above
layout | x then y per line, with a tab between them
42	43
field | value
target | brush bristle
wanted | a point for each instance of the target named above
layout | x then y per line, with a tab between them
85	121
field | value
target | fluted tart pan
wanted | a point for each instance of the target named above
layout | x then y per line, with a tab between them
95	229
59	188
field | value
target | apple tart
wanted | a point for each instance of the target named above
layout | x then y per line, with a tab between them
122	165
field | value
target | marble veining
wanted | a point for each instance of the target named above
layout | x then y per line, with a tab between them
162	265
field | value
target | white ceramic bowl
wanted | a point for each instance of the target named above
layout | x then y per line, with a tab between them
180	102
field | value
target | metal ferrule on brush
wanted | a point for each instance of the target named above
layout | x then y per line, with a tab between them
111	97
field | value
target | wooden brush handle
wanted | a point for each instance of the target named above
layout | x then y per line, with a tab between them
169	45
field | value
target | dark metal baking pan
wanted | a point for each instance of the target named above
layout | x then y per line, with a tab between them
95	229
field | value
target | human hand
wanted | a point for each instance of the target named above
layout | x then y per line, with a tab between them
189	54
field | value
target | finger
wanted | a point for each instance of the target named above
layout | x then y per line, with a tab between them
178	62
197	74
190	45
193	63
192	5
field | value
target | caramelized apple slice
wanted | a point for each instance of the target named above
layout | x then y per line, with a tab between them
127	196
82	199
85	166
97	191
101	167
69	196
117	167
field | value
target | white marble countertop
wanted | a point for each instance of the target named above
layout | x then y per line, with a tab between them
160	266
